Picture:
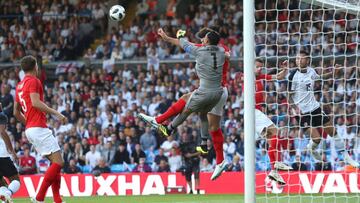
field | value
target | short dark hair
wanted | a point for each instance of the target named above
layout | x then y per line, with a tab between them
304	52
28	63
213	37
203	31
259	60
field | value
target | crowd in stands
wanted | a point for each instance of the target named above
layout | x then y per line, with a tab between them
103	133
56	30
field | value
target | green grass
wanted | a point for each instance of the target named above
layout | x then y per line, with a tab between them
331	198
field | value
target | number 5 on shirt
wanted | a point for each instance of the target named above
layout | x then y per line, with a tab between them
23	103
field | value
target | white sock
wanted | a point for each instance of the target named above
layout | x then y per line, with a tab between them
339	143
313	144
14	186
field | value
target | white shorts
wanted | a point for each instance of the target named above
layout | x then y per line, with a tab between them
219	108
43	140
261	122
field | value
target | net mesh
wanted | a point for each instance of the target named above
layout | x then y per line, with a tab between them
329	32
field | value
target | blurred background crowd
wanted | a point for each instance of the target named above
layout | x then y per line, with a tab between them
103	133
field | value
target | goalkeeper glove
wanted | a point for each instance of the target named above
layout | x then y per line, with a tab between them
180	34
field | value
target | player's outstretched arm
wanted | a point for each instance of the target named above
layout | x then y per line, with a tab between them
166	38
282	74
331	74
17	113
37	103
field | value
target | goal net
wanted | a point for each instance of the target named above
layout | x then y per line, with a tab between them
328	30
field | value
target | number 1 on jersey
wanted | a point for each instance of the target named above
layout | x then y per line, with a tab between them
214	57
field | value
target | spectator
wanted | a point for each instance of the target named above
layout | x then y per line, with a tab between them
101	167
116	54
108	153
79	154
298	165
148	140
92	157
6	100
175	161
72	168
42	164
142	166
211	152
121	155
66	154
205	166
169	144
229	148
27	163
137	154
323	165
160	157
235	164
163	166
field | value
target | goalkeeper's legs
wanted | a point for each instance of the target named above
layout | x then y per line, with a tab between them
174	109
204	133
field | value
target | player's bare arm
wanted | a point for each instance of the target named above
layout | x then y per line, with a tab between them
331	74
292	105
18	114
282	74
37	103
166	38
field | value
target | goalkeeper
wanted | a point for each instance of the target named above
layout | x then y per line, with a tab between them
214	116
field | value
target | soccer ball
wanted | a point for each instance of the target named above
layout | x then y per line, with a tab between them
117	13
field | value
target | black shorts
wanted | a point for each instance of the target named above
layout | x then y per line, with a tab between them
190	170
7	167
316	118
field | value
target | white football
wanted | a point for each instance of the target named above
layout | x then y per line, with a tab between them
117	13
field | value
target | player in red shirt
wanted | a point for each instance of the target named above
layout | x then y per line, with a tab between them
264	127
30	110
211	124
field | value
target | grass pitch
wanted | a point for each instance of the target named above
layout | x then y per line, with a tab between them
329	198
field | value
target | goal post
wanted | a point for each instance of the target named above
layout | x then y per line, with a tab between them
249	101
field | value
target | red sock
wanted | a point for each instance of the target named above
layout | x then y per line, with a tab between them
218	141
56	189
173	110
49	178
274	150
322	132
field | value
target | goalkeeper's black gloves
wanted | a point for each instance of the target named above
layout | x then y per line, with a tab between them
180	34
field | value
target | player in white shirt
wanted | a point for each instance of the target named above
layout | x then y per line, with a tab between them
312	118
7	166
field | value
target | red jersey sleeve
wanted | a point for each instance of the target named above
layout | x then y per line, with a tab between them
226	48
264	76
34	86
